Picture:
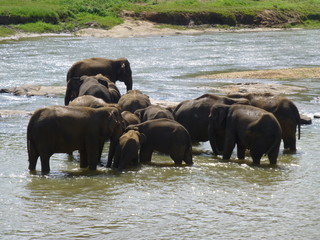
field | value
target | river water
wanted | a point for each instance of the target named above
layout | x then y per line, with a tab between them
212	199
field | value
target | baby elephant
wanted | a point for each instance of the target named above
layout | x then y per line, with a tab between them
247	127
127	152
63	129
166	136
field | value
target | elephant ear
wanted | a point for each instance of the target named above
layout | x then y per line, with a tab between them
103	80
219	114
139	113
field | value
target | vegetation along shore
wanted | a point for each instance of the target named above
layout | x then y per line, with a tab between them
58	16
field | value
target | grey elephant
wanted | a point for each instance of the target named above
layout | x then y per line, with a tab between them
130	118
166	136
127	152
153	112
64	129
133	100
247	127
284	110
115	70
194	114
98	86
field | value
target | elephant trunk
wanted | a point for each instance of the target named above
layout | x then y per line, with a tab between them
128	83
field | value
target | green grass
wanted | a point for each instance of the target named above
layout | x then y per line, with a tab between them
4	31
59	15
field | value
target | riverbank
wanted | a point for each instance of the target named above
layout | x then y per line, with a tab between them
139	28
71	16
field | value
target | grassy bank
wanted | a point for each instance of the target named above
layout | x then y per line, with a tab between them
68	15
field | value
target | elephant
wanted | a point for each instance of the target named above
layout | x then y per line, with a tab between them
130	118
133	100
284	110
127	152
91	101
246	126
63	129
194	114
118	69
98	86
153	112
166	136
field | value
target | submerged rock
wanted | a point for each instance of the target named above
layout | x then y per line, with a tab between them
35	90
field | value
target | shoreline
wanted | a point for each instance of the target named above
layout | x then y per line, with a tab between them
142	28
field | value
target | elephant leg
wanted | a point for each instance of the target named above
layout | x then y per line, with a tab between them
228	148
176	155
241	149
45	165
146	154
289	142
188	156
93	156
256	156
117	158
135	160
33	158
83	158
111	153
273	154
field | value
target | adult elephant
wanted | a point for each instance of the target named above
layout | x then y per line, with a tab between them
284	110
153	112
134	100
194	114
166	136
118	69
127	152
98	86
247	127
64	129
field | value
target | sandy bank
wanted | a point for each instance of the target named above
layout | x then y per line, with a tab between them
137	28
141	28
277	74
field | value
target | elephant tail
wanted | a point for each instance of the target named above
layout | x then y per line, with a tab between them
299	124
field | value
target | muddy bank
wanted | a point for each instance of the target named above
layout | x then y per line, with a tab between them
265	18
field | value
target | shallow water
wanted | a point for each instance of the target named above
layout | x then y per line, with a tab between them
212	199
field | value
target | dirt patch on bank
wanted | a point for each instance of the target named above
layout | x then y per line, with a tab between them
278	74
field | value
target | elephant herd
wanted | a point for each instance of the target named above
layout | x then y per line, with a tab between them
95	112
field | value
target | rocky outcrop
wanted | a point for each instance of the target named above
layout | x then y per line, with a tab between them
35	90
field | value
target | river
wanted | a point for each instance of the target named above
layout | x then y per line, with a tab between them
212	199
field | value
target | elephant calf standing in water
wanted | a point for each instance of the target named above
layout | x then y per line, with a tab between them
127	152
166	136
64	129
247	127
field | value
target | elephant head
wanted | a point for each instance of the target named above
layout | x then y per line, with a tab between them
73	88
217	127
123	72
